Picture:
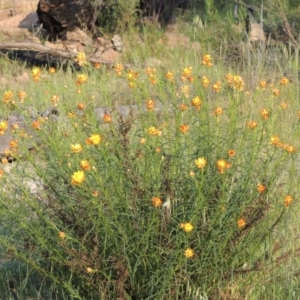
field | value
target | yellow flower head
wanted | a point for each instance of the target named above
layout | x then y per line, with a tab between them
284	81
8	97
217	111
189	253
3	126
275	140
156	201
264	113
252	125
196	102
81	78
77	178
184	128
283	105
217	86
222	165
288	199
261	188
81	59
76	148
187	72
154	131
275	92
52	70
187	227
205	81
170	76
241	223
94	139
200	162
35	72
150	105
85	165
263	84
22	95
206	60
61	234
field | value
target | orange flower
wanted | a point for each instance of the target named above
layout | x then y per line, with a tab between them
55	99
22	95
81	106
284	81
170	76
231	152
107	118
205	82
184	128
275	140
85	165
97	65
156	201
184	107
241	223
206	60
288	199
150	105
275	92
263	84
217	86
252	124
119	68
81	78
283	105
217	111
36	125
154	131
52	70
290	149
261	188
264	113
13	144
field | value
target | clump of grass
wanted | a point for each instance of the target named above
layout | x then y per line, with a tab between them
173	194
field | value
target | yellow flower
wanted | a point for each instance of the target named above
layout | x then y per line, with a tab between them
76	148
263	84
288	199
261	188
264	113
275	140
184	128
55	99
156	201
77	178
52	70
218	111
90	270
196	102
142	140
187	72
3	126
275	92
8	97
217	86
189	253
61	234
81	59
222	165
94	139
13	144
290	149
206	60
85	165
283	105
200	162
170	76
205	81
81	78
284	81
22	95
241	223
154	131
185	90
150	105
184	107
187	227
118	69
252	124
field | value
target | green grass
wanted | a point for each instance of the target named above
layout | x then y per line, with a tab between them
101	236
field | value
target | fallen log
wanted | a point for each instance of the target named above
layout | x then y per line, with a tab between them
38	55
